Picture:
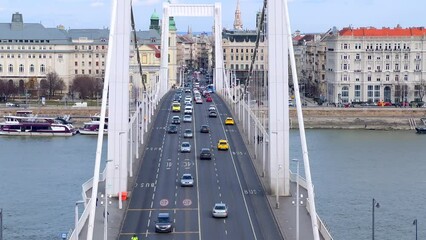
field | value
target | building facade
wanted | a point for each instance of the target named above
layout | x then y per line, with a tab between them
372	65
29	51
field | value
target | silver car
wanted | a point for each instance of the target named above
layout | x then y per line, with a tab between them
185	147
187	118
220	210
188	133
187	180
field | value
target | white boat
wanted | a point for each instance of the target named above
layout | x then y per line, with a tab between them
92	127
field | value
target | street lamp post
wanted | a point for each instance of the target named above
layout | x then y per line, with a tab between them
415	223
75	218
277	200
375	205
297	199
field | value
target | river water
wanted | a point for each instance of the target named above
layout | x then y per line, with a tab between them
40	180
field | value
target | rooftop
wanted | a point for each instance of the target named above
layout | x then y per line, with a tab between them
383	32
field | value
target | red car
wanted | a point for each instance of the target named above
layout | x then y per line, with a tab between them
209	99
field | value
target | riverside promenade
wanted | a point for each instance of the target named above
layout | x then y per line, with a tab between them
371	118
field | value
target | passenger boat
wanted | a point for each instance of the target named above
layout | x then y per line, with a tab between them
92	127
421	129
34	126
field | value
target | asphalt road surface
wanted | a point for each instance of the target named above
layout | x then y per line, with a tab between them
229	177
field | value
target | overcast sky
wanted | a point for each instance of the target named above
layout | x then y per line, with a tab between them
308	16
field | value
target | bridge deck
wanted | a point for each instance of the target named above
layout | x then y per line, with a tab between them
285	215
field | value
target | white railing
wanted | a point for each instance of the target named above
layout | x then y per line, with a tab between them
88	185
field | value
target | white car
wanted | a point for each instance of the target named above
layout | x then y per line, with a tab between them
220	210
188	110
187	118
187	180
211	108
185	147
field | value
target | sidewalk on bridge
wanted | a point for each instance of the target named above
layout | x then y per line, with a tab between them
285	215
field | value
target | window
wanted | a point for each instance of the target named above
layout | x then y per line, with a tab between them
82	63
396	67
396	78
42	68
76	63
345	94
387	66
21	68
10	68
376	93
32	68
369	78
76	71
370	93
387	77
357	93
1	68
405	77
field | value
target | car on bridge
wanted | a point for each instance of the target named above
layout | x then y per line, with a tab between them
222	145
187	180
187	118
209	99
204	129
212	114
175	120
176	106
163	223
188	133
229	121
212	108
172	128
220	210
205	154
185	147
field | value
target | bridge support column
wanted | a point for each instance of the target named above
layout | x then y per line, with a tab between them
278	99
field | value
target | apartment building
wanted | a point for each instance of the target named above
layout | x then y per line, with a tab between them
371	65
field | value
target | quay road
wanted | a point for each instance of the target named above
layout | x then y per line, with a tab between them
229	177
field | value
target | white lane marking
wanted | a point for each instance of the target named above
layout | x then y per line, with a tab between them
239	181
196	177
149	221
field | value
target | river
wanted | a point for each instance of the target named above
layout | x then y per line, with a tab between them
40	181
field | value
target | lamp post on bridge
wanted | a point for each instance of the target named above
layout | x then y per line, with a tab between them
297	198
415	224
375	205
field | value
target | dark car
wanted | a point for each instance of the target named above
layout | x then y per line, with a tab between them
212	114
205	153
205	129
163	223
172	129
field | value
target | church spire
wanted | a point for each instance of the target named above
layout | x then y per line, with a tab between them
238	24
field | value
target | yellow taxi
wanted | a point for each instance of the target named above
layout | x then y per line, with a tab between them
222	145
229	121
176	107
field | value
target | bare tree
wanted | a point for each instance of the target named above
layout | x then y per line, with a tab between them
422	89
32	86
53	83
84	85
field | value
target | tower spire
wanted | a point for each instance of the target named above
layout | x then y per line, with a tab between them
238	24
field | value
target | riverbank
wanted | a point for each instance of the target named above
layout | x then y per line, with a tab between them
314	117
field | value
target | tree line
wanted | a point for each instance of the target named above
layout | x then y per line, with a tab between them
53	87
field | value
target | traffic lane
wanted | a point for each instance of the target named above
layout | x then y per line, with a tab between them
208	183
224	181
144	186
256	199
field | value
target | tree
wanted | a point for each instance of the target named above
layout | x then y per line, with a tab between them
84	85
53	83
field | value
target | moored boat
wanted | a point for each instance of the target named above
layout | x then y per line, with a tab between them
92	127
421	129
24	123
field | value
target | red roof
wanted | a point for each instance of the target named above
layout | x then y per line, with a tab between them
383	32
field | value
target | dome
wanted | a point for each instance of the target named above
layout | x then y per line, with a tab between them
155	16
